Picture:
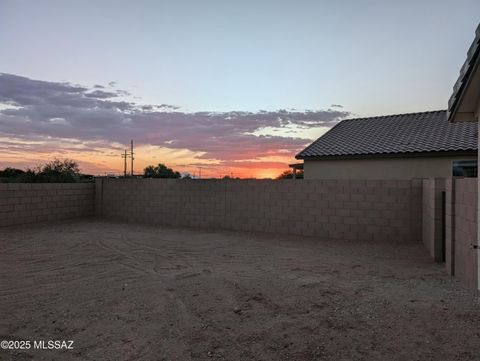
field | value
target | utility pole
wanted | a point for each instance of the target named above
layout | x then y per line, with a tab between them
131	154
125	156
199	172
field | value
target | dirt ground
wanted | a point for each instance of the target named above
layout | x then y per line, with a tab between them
135	292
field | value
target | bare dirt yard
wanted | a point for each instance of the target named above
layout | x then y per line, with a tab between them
135	292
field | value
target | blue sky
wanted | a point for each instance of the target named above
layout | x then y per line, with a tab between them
247	84
373	57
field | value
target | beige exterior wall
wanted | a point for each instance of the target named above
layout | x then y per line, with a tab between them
385	168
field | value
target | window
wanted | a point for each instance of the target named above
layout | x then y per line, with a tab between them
465	168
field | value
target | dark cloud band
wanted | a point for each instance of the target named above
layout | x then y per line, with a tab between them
64	110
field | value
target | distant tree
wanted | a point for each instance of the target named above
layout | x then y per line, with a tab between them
56	171
58	167
160	171
87	177
11	173
66	170
300	174
29	177
288	174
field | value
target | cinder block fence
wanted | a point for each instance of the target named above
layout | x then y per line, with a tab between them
441	213
450	225
462	235
26	203
360	210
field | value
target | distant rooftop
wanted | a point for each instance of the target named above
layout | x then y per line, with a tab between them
408	134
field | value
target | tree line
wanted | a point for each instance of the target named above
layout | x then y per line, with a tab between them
162	171
55	171
68	171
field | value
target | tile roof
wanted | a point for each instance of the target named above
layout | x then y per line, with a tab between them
394	134
472	55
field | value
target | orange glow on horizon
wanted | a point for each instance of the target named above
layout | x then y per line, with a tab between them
102	161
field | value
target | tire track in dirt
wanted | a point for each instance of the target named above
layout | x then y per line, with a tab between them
190	319
179	309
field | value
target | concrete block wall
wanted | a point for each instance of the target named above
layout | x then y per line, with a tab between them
357	210
465	231
450	226
432	189
365	210
25	203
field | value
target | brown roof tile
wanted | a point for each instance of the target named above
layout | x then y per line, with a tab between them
394	134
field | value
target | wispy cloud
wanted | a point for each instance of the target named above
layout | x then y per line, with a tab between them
53	110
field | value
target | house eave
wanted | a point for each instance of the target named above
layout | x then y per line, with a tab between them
436	154
463	105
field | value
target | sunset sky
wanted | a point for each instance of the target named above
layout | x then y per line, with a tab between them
234	87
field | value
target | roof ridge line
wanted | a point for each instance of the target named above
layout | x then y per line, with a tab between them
396	115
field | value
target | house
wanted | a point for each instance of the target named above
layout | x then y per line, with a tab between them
405	146
464	104
402	146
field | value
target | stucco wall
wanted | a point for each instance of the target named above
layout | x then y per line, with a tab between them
22	203
387	168
388	211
